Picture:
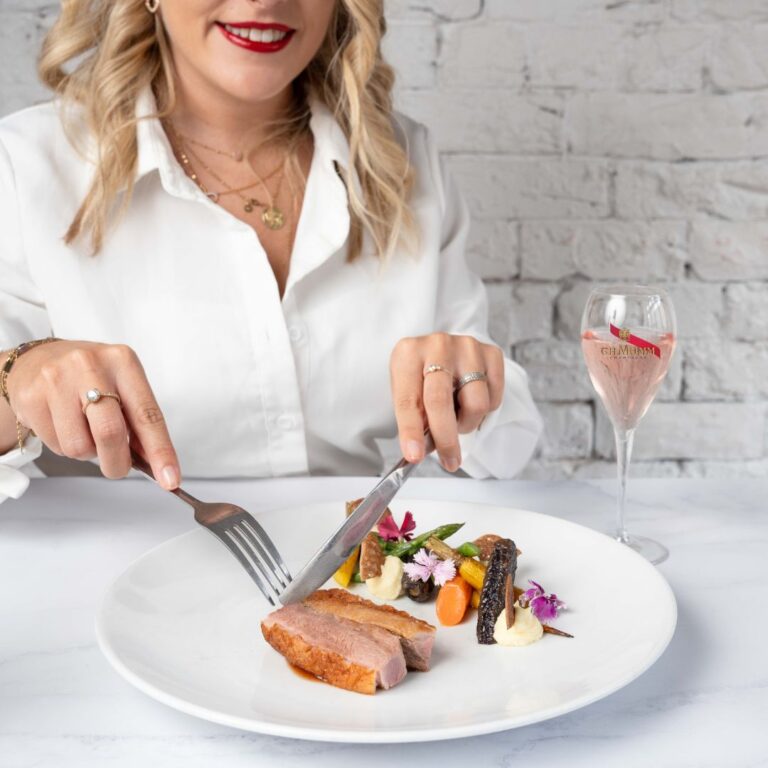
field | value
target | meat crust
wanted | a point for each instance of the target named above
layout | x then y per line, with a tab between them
326	665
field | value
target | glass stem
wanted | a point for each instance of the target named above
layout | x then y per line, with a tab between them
624	439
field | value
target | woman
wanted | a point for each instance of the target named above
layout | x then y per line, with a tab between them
236	242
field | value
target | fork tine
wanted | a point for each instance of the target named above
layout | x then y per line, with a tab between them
261	535
249	535
256	553
232	544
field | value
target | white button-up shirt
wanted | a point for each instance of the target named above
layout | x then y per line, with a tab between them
250	384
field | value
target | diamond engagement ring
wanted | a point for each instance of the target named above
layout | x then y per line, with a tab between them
434	368
94	395
469	377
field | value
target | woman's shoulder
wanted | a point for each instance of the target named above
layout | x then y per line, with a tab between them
35	124
412	135
35	136
423	154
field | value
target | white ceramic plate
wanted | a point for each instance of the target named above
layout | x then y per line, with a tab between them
182	625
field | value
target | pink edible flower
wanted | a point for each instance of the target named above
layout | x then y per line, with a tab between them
426	564
543	606
389	530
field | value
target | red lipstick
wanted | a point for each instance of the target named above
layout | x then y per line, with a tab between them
256	45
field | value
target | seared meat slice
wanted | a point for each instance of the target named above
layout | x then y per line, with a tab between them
416	636
342	652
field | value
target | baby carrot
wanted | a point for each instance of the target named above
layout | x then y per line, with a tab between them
452	601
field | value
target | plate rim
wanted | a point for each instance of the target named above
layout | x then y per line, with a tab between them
399	736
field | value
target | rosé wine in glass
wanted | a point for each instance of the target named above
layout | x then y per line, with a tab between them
625	376
628	339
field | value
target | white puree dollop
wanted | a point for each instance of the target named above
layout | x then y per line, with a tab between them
389	585
527	628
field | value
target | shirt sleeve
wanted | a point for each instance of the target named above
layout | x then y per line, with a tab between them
508	436
23	316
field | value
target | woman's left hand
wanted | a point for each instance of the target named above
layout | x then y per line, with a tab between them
427	399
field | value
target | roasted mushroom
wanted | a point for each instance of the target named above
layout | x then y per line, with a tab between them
418	590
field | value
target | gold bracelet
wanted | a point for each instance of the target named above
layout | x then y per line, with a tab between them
14	355
6	369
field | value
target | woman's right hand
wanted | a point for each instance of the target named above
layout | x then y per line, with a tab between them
47	387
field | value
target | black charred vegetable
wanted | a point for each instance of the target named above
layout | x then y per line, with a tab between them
503	563
418	590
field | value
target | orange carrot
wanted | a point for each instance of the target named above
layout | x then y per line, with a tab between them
452	601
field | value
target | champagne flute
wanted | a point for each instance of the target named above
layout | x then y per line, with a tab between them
628	335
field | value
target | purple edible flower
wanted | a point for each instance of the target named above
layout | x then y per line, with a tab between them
426	564
543	606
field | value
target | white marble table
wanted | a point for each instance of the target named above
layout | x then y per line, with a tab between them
704	703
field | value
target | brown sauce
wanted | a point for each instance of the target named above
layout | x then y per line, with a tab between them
303	673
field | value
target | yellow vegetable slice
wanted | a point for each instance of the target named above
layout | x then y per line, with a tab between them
344	574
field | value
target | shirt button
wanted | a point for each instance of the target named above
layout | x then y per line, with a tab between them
295	333
286	422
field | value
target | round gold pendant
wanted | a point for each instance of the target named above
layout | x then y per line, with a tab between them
273	218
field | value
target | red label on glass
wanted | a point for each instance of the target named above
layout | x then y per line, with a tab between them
625	335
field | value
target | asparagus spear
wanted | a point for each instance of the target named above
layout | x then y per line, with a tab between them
402	548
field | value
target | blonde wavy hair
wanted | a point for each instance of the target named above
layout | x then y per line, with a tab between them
100	54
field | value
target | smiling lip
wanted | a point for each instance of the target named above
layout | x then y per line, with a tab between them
257	36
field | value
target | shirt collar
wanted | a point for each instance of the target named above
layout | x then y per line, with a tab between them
155	152
323	227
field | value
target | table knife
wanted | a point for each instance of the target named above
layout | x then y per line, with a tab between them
351	532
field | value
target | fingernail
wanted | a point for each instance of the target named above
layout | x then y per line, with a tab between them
413	450
451	463
170	477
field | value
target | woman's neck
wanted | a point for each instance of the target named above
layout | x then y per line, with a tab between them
216	118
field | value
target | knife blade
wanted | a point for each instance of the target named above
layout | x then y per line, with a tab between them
339	546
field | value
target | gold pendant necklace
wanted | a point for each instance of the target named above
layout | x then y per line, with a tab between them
273	217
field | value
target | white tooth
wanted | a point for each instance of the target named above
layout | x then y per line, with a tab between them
244	34
255	35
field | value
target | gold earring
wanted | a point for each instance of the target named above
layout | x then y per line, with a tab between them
152	5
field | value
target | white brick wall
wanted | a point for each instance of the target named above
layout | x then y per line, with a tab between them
593	140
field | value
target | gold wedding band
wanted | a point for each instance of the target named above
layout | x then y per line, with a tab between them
94	395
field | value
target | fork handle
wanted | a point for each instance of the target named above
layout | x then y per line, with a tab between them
142	466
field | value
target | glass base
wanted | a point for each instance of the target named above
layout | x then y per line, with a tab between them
651	550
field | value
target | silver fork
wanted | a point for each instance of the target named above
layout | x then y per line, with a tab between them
239	532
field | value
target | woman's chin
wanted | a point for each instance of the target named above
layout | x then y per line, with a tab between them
254	88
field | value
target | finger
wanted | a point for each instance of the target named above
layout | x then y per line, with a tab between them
42	424
73	431
146	419
406	382
110	434
439	407
494	367
473	398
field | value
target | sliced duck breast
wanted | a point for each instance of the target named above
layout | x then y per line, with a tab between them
344	653
416	636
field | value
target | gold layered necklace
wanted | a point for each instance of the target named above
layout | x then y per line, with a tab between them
272	216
